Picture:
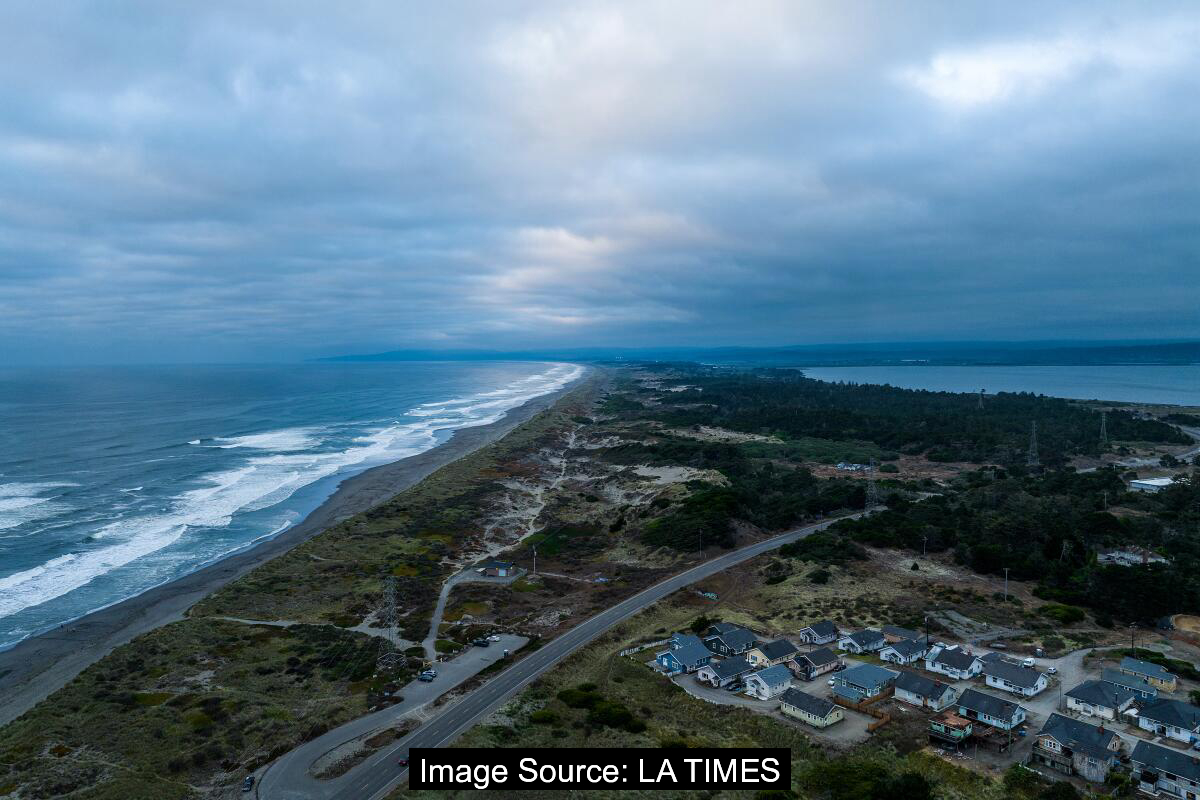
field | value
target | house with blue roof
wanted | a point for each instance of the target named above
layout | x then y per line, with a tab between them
1158	677
686	653
863	682
1138	686
769	682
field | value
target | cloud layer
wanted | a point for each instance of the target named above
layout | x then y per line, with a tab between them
281	180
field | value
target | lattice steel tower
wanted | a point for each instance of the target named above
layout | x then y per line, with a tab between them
1103	427
872	489
389	656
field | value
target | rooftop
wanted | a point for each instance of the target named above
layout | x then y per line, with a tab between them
954	658
1100	693
731	667
982	702
817	706
822	628
819	657
867	675
780	648
1146	668
1079	736
773	676
1164	759
920	685
1017	675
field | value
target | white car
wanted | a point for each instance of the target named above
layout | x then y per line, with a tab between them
1051	670
493	638
1029	662
831	681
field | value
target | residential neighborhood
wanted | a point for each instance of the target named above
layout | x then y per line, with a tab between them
1077	717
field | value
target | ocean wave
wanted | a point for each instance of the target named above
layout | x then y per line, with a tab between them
263	481
284	440
24	502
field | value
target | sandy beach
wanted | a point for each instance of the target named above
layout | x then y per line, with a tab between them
40	665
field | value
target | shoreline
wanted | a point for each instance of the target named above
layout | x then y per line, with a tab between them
38	666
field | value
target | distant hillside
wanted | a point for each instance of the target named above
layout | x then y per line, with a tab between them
830	355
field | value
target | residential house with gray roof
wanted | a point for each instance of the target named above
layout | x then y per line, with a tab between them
1073	747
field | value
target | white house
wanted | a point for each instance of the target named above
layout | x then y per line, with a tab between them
1173	719
905	651
1165	772
1012	677
770	682
865	641
917	690
1099	699
822	632
990	710
953	662
723	673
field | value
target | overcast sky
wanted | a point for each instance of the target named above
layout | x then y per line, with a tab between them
215	181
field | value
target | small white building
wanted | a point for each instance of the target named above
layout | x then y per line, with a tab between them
917	690
1173	719
1149	484
1013	677
1099	699
768	683
953	662
903	652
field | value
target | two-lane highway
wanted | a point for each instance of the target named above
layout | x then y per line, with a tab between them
378	775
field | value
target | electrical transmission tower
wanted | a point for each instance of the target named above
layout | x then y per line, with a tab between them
981	399
389	656
1032	459
872	489
1103	427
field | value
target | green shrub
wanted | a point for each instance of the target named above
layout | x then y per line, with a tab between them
543	717
1061	613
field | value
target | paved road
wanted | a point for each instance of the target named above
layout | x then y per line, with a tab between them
378	775
288	776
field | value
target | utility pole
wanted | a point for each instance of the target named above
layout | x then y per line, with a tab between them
535	559
1103	427
1105	499
924	541
389	656
1006	584
981	399
1031	460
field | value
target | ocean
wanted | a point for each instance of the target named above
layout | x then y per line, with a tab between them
116	480
1174	385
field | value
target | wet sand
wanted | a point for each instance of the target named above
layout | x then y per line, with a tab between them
40	665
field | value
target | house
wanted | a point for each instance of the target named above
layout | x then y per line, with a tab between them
727	639
816	711
1138	686
865	641
949	728
770	682
1073	747
822	632
685	654
1013	677
1165	772
905	651
1099	699
768	654
1150	484
724	672
917	690
815	663
894	633
497	569
1173	719
953	662
1151	673
863	682
1130	557
990	710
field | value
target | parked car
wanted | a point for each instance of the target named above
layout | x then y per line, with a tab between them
481	643
248	784
735	687
1051	670
493	638
1028	662
831	681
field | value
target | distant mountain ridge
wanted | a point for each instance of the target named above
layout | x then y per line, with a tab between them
1171	353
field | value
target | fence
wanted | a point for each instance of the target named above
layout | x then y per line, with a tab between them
640	647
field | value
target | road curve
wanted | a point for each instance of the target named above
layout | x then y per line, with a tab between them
378	775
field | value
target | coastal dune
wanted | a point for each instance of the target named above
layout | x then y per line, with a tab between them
41	664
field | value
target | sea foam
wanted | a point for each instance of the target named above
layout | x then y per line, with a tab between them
290	459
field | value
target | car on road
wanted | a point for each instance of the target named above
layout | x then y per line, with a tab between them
1028	662
1051	670
481	643
427	675
248	784
493	638
831	681
402	761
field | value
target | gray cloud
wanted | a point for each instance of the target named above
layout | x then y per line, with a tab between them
280	180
